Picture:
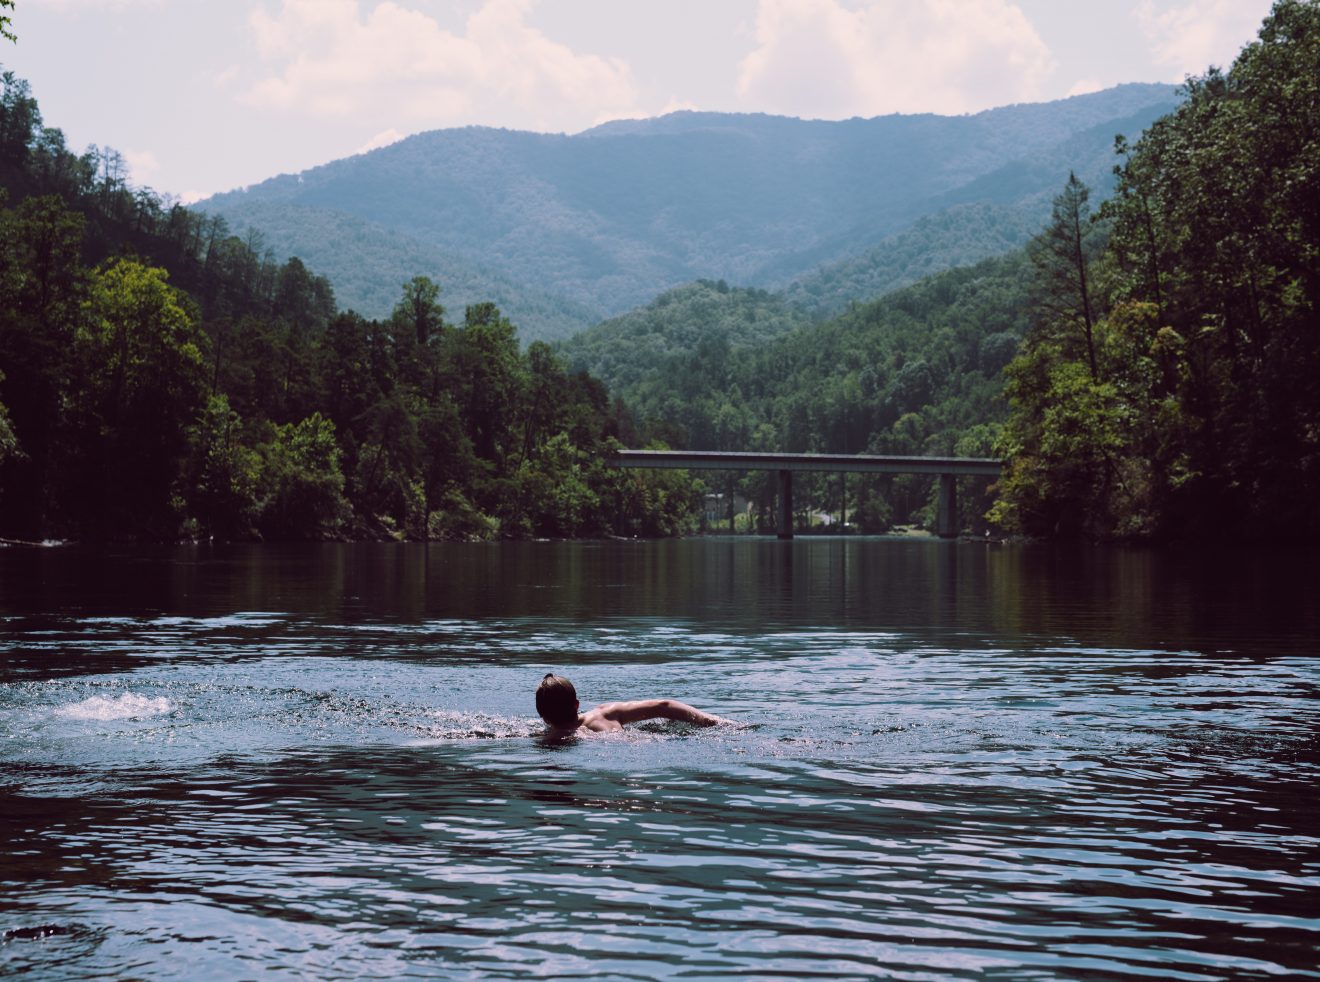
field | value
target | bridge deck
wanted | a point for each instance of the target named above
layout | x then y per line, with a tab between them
851	463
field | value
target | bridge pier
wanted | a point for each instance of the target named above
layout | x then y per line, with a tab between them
946	510
786	504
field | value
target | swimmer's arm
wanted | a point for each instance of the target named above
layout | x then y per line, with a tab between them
634	712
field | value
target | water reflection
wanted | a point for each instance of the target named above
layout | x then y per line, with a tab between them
1100	595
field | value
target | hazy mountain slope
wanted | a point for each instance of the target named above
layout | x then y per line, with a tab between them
369	263
957	236
611	217
993	214
1019	192
622	351
1034	180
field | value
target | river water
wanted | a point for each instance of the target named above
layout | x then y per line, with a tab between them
950	761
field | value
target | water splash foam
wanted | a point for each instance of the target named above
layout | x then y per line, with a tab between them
479	726
126	706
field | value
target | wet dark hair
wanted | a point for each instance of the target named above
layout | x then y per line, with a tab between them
556	700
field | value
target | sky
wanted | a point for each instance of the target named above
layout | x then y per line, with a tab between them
202	96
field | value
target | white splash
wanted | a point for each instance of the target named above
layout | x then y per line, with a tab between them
479	726
127	706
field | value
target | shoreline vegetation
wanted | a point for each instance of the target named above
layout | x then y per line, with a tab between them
1146	370
1167	389
163	380
818	532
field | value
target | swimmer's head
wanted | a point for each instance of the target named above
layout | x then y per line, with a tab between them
557	701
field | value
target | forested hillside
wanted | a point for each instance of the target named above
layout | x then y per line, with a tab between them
160	377
958	236
679	326
368	262
708	367
1160	356
1169	386
599	223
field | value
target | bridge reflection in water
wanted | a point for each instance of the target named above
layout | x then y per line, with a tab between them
949	470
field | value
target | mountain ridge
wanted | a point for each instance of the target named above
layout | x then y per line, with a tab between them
594	224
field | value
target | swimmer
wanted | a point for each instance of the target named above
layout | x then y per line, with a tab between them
557	702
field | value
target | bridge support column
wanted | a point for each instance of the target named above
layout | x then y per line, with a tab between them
946	512
786	504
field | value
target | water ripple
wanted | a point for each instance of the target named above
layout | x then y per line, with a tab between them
319	793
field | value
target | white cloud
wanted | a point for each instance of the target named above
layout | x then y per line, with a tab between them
142	166
835	58
387	63
1192	37
1085	86
381	139
676	105
227	76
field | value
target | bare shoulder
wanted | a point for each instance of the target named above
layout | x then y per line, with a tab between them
643	709
601	719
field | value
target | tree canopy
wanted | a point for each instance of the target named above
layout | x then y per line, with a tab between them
161	377
1199	413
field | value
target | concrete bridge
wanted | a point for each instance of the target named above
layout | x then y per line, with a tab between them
948	469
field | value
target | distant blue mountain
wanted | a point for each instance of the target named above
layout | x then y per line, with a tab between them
564	231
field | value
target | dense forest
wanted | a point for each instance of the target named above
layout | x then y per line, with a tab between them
366	262
1168	384
160	378
1146	367
916	372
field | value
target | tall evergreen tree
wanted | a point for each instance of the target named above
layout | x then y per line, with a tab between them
1062	256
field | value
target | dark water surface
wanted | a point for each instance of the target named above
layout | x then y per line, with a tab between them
957	761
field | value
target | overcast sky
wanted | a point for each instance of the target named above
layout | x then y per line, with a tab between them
206	95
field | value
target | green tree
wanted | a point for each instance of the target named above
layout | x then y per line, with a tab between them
352	369
1216	223
1063	462
553	492
232	397
43	288
220	478
20	124
649	504
8	441
447	466
546	398
1062	256
418	315
139	382
301	486
488	377
388	459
